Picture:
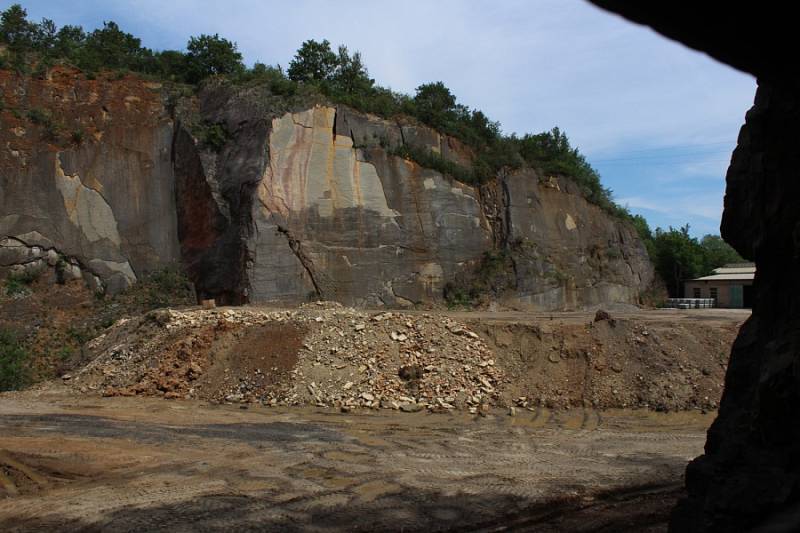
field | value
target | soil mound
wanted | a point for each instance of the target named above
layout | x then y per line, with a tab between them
328	355
324	354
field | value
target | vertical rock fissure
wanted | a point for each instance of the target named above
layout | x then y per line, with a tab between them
296	247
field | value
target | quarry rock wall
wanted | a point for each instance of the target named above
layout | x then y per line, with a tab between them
302	201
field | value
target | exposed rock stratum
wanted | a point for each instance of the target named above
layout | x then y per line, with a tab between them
302	201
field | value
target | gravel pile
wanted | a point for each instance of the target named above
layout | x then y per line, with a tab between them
320	354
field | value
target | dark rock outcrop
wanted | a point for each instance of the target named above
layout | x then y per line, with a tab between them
751	469
749	476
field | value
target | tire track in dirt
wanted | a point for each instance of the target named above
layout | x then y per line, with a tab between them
304	470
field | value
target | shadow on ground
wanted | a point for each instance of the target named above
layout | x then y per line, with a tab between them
642	508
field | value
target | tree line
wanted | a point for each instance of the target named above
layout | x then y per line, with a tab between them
337	74
677	256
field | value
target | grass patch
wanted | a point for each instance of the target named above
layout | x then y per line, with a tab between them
492	276
14	371
18	284
166	287
434	161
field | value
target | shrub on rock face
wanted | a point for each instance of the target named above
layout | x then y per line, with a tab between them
14	372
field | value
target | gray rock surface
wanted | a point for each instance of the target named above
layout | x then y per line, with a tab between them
567	252
108	201
301	202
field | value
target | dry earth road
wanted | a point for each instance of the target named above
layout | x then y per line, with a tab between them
142	464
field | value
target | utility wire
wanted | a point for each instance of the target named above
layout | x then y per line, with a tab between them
680	146
661	163
663	156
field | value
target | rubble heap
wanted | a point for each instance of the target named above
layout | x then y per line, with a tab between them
320	354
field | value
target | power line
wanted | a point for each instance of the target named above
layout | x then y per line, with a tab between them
679	146
664	156
660	163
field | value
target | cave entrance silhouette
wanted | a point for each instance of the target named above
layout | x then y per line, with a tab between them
749	476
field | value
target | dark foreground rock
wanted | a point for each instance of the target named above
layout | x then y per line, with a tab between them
750	473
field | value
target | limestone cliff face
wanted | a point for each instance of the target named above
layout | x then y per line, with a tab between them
362	227
86	176
303	201
567	252
332	214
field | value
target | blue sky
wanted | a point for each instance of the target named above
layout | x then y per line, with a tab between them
658	120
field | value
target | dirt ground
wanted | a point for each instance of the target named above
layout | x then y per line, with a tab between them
532	440
145	464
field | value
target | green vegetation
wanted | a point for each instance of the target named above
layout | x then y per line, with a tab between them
434	161
14	372
491	276
77	136
317	70
19	284
168	286
677	256
212	135
209	55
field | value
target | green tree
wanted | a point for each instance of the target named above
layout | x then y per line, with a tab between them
486	130
212	55
68	42
44	37
16	30
717	252
112	48
435	104
350	76
171	65
313	62
678	257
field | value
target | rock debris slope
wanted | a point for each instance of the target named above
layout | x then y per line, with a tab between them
327	355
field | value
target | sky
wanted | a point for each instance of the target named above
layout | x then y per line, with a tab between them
656	119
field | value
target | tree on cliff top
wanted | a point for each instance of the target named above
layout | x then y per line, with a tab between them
436	105
211	55
351	76
336	73
15	30
313	62
110	47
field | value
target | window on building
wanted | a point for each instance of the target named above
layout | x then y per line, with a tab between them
696	292
713	291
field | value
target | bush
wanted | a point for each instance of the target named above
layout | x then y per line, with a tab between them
492	276
212	135
39	117
434	161
166	287
77	137
14	371
18	284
